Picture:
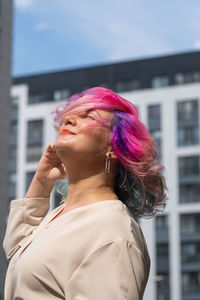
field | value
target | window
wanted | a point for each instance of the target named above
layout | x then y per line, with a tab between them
190	192
35	132
12	180
127	85
162	286
161	222
188	123
29	177
187	77
14	108
12	164
190	224
159	81
154	125
37	98
190	252
189	166
154	117
189	179
179	78
162	256
60	95
34	153
13	133
162	250
191	283
14	100
187	111
34	140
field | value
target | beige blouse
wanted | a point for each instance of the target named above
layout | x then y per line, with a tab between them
93	252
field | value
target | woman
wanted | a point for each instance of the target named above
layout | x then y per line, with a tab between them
90	247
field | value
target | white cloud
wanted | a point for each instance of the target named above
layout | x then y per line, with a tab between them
197	44
42	26
113	28
118	37
24	4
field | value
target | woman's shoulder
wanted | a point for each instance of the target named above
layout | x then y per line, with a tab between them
114	221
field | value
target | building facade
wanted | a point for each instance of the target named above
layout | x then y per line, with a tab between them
166	90
5	82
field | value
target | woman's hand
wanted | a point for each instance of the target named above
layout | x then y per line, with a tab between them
50	170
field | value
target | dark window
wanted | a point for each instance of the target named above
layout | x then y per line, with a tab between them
187	111
35	132
14	108
189	179
13	133
161	222
154	117
162	286
187	77
154	125
37	98
162	256
12	181
191	283
190	192
61	95
190	252
189	166
190	224
159	81
12	164
162	250
127	85
29	177
188	123
34	140
14	101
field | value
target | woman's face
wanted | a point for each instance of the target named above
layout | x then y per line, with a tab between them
80	142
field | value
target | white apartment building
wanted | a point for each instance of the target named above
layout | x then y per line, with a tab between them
168	100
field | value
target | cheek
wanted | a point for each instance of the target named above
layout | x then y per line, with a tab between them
101	138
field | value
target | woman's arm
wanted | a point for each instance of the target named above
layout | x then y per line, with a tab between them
24	217
27	213
115	271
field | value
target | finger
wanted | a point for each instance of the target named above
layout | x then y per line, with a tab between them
51	147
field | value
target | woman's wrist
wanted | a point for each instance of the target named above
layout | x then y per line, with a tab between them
39	188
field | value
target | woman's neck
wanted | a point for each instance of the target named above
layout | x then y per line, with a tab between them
89	190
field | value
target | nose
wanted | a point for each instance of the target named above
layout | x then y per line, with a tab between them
70	119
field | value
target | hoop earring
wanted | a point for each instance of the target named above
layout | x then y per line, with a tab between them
107	167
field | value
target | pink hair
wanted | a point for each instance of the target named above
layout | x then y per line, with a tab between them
140	183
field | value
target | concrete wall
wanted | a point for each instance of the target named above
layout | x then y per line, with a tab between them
5	81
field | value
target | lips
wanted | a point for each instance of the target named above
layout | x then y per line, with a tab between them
66	131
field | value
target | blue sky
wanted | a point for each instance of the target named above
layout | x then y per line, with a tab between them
51	35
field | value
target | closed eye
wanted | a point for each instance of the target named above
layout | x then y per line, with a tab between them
90	117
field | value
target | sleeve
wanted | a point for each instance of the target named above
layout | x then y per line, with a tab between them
25	215
114	271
